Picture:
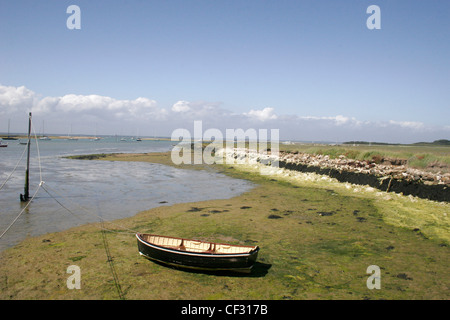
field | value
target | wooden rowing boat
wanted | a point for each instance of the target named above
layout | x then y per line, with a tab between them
196	254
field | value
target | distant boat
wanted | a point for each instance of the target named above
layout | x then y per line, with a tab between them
3	145
44	137
196	254
9	137
69	136
138	138
96	138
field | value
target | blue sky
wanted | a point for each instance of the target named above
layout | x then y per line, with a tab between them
310	68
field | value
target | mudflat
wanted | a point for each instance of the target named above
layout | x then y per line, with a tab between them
317	238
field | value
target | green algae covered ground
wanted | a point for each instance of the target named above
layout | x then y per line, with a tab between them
317	239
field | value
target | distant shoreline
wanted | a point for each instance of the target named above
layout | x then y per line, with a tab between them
81	137
439	142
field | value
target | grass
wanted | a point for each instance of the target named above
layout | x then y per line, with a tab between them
417	156
317	238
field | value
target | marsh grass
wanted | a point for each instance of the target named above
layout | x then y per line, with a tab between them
417	156
319	247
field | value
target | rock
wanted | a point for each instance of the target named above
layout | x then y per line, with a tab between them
402	179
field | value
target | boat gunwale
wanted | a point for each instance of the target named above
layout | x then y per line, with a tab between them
253	250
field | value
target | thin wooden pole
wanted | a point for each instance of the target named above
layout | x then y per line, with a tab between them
26	196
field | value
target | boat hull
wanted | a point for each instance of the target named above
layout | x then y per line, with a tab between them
241	262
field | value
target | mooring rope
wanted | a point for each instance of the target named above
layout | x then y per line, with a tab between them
28	203
111	263
41	184
109	255
17	164
102	220
51	196
38	153
87	211
103	231
110	259
21	157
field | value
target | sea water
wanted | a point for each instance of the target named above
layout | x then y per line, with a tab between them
81	191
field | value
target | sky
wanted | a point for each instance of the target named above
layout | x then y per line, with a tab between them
312	69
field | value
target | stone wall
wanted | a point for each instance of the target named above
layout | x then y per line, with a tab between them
437	192
390	175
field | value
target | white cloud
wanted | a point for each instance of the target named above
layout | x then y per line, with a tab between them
262	115
114	116
407	124
338	120
83	103
181	106
100	106
341	120
16	99
198	110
